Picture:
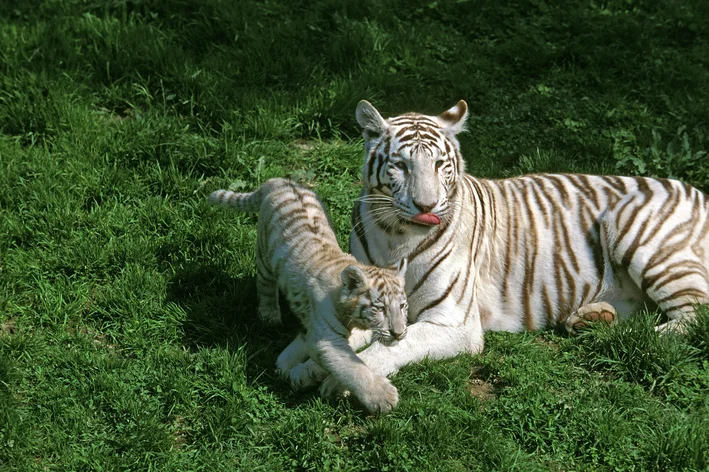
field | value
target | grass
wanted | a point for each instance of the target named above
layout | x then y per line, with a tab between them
128	335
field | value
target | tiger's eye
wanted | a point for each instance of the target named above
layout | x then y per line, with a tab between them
401	165
439	163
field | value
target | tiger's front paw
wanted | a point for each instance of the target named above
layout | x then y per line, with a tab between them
381	397
332	388
300	378
284	364
306	375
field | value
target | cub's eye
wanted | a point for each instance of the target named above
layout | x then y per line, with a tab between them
404	306
401	165
439	163
376	309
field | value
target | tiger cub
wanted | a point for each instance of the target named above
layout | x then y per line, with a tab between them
298	253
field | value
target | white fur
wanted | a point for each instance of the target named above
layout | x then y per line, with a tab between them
509	265
298	253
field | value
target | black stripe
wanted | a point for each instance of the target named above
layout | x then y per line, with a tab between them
373	156
382	161
427	243
471	254
431	269
445	295
359	232
687	292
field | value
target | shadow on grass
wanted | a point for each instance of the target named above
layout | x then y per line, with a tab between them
221	311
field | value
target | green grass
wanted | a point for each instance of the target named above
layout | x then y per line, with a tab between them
128	334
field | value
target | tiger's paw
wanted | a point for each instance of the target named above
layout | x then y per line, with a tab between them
332	388
302	377
590	313
676	326
270	315
380	398
284	364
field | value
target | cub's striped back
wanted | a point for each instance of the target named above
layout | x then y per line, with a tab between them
298	254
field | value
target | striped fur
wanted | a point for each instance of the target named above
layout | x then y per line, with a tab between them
332	293
519	253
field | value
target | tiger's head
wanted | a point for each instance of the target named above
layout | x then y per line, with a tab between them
374	298
412	164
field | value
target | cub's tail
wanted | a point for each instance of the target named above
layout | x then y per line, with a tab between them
246	202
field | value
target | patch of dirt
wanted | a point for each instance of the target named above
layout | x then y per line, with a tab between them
481	388
8	328
304	145
303	177
99	339
115	116
179	433
542	339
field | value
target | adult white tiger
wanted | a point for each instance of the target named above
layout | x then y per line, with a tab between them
518	253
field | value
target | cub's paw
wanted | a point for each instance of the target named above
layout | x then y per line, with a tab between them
590	313
285	363
270	315
283	371
380	397
332	388
306	375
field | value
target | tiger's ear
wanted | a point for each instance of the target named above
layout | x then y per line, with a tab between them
372	123
353	278
453	119
401	268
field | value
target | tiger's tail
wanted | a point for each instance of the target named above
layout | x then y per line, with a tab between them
245	202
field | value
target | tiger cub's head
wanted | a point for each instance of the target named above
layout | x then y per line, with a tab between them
374	298
412	164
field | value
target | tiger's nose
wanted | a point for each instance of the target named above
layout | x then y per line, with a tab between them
398	334
424	207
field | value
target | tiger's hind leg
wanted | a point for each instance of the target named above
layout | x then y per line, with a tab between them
673	276
660	239
676	292
676	284
590	313
269	309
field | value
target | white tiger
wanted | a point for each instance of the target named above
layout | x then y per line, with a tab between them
517	253
332	293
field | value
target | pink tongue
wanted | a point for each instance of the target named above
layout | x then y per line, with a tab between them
426	219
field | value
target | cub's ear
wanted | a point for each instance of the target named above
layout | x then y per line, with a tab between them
372	123
353	278
453	119
401	268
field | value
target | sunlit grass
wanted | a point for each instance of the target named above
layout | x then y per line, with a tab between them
128	334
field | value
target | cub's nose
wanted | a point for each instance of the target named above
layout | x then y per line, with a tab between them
398	334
